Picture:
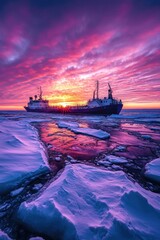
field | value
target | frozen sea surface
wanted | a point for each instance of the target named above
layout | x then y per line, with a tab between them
22	156
152	170
74	127
4	236
134	142
90	203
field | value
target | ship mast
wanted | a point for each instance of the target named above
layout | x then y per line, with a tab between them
110	92
94	93
97	89
40	93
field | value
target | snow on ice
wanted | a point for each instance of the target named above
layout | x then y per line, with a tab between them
107	160
152	170
22	155
74	127
36	238
16	192
120	148
92	132
4	236
68	125
115	159
90	203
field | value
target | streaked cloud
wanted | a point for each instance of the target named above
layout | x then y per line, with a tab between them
65	46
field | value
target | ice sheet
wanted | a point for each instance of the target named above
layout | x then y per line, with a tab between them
4	236
74	127
89	203
152	170
22	155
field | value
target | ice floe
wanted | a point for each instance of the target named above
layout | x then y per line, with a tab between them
36	238
90	203
92	132
68	125
107	160
152	170
37	186
16	192
120	148
115	159
74	127
22	155
4	236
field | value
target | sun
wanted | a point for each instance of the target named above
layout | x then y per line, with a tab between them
64	104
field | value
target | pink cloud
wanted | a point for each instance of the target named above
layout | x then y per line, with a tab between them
73	46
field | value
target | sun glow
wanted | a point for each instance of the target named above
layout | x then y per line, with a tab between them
64	104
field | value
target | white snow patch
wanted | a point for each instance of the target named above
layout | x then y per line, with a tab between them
22	155
116	167
4	236
92	132
71	159
49	146
115	159
68	125
104	162
57	159
111	159
152	170
16	192
37	186
89	203
120	148
5	206
74	127
36	238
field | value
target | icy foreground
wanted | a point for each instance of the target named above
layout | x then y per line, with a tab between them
152	170
74	127
21	156
4	236
89	203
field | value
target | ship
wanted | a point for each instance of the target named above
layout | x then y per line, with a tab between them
95	106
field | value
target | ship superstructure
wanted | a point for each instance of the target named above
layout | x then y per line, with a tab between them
96	101
38	102
98	106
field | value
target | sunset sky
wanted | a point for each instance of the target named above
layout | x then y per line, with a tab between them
64	46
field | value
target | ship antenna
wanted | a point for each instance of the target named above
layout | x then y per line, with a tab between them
97	89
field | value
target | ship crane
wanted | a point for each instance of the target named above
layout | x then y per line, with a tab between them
110	92
94	94
96	91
